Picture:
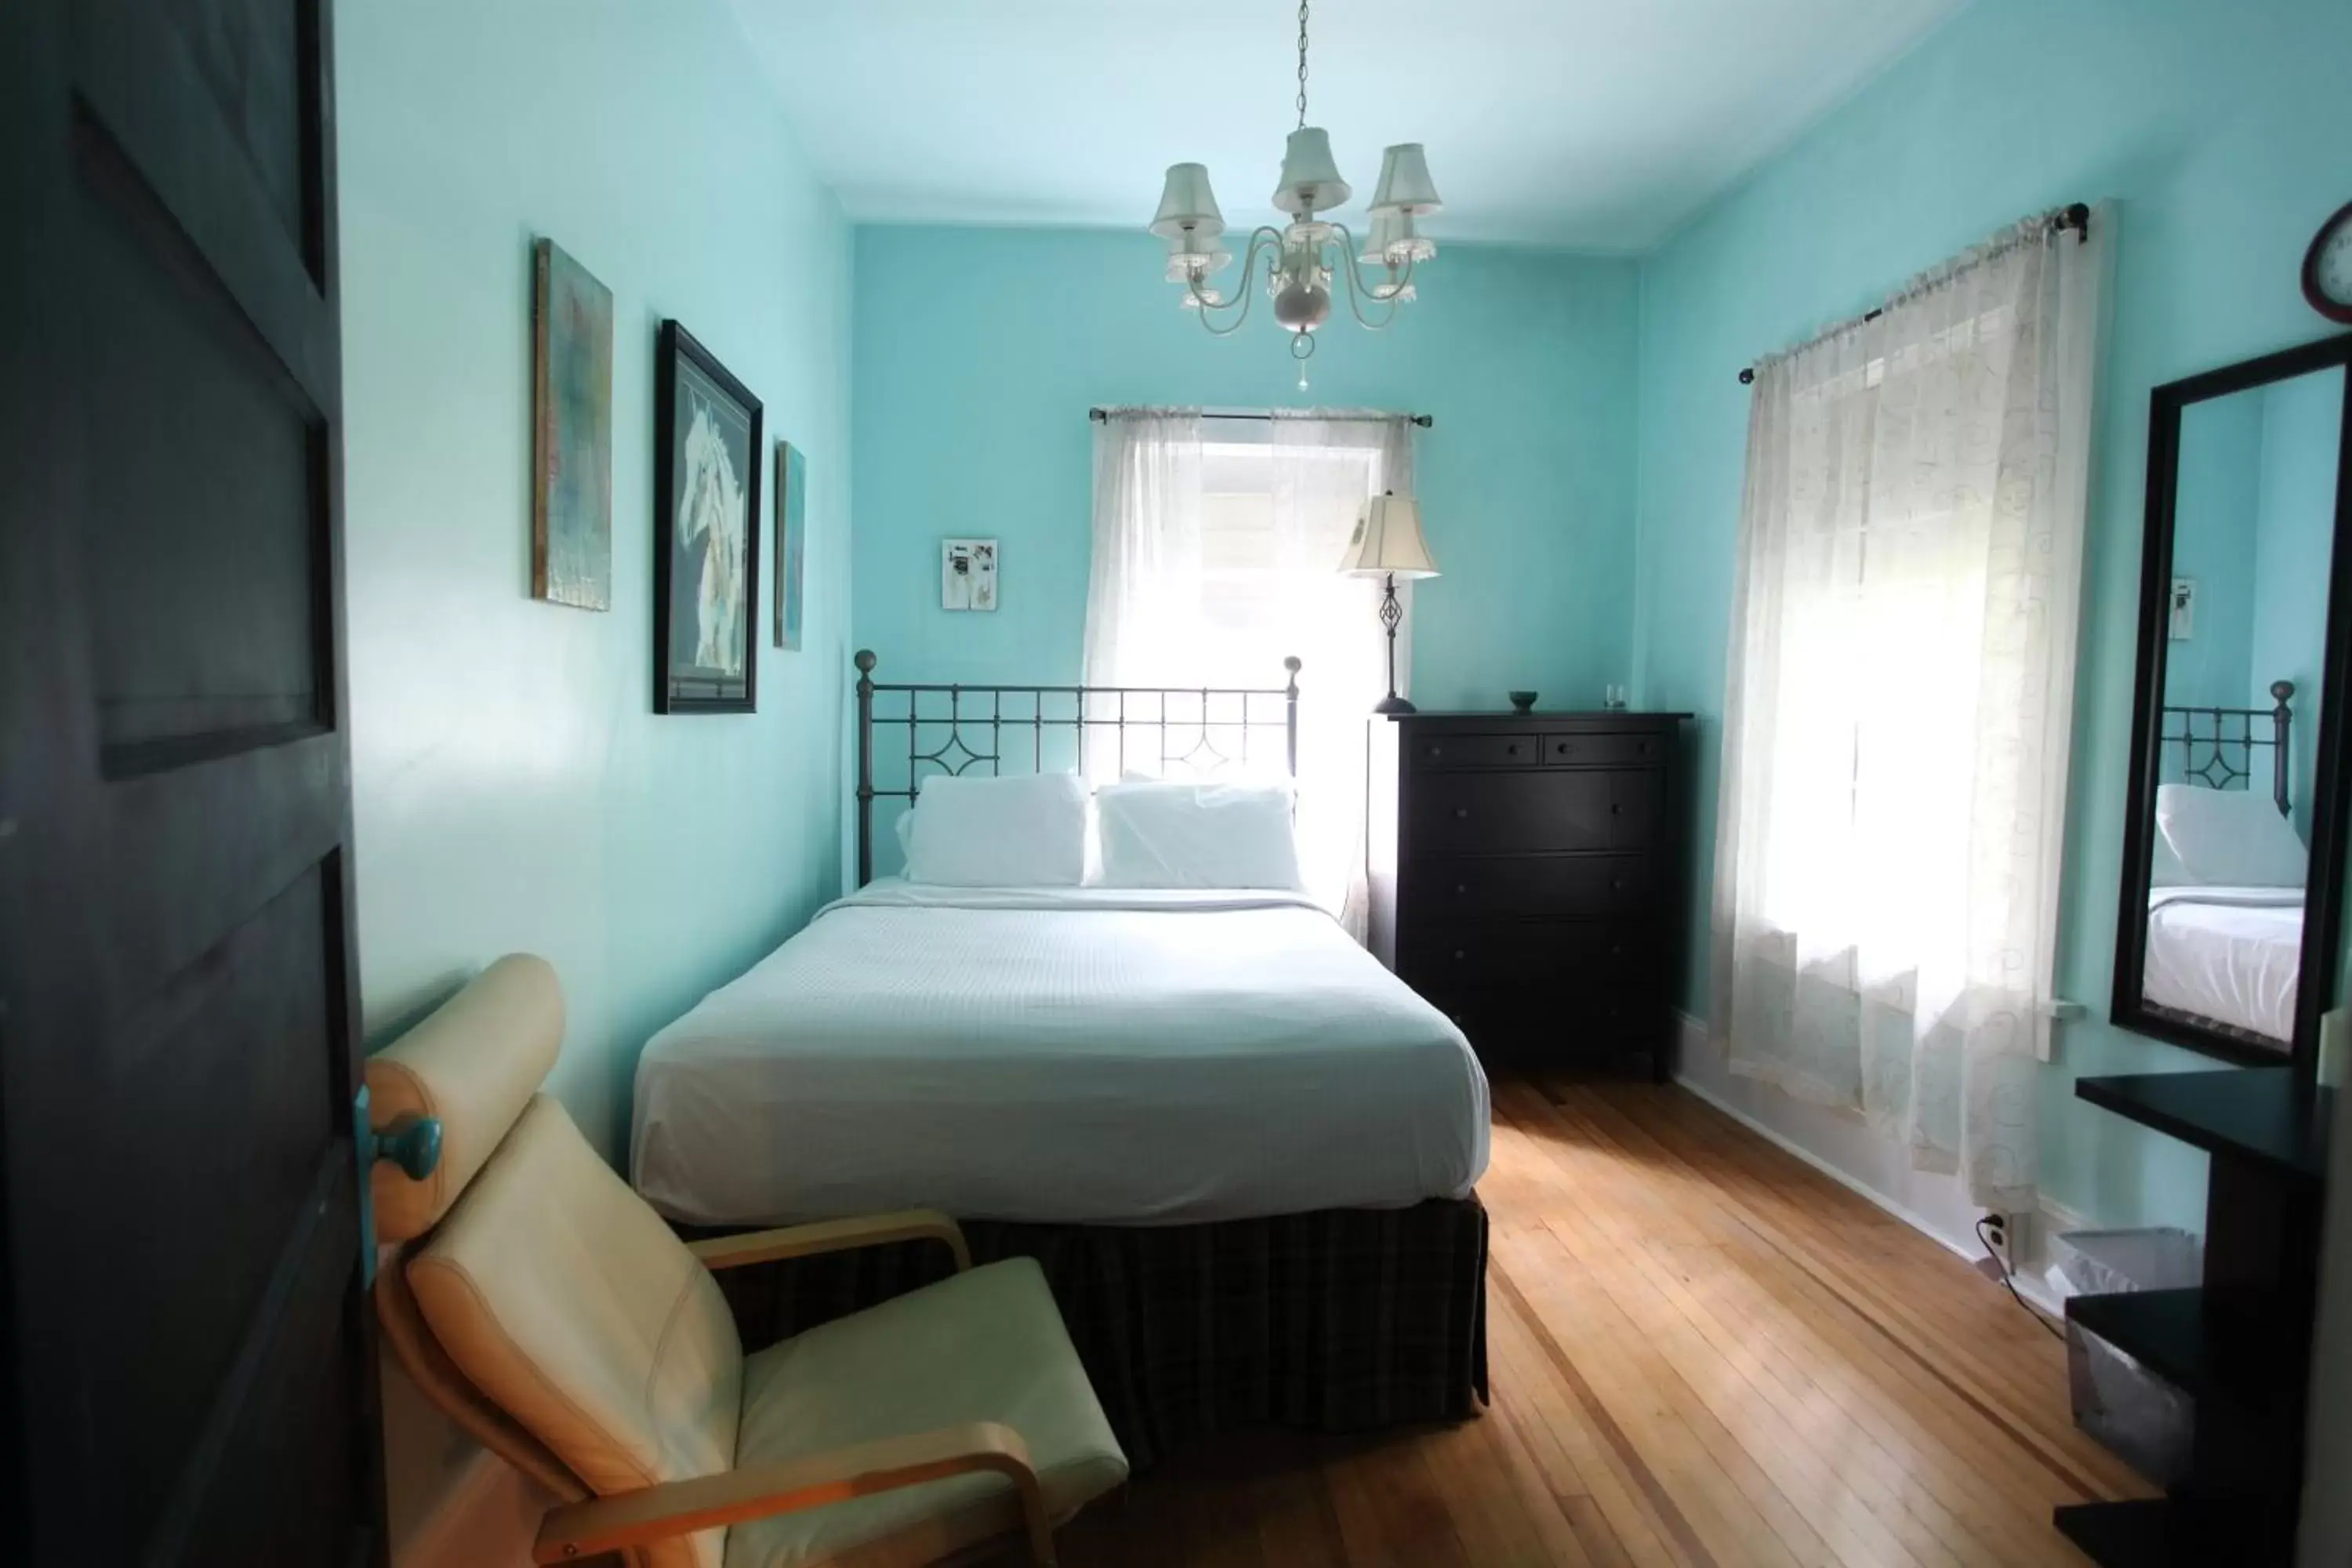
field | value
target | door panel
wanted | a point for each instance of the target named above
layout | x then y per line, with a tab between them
179	1307
203	640
187	1342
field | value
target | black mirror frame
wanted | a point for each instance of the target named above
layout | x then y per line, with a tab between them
2322	922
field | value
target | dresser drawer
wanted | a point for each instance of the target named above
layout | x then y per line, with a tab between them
1441	753
1530	885
1604	750
1538	811
1607	1035
1602	954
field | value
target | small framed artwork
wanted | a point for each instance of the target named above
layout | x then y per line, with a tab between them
791	541
706	444
968	574
570	431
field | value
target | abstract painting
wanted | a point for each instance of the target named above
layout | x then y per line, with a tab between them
706	443
571	432
791	541
967	573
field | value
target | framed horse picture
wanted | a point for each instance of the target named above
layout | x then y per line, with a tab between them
708	443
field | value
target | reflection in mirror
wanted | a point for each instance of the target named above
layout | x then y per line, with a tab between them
2253	531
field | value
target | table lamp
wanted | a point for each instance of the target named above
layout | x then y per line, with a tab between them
1388	545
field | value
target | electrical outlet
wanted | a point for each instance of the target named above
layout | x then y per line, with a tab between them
2000	1234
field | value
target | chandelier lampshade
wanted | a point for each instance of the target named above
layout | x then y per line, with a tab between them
1405	188
1195	256
1187	206
1393	241
1310	179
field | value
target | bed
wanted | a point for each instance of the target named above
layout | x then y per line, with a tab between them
2230	955
1063	1055
2223	953
1244	1151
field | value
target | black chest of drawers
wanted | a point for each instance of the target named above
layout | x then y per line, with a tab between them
1527	878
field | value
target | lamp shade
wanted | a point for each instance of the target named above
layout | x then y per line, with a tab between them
1196	255
1387	540
1404	187
1392	241
1310	179
1187	204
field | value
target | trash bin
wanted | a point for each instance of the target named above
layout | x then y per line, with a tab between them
2142	1418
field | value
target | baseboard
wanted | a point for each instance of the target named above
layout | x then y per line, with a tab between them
2028	1275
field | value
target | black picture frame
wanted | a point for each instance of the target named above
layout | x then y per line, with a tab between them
730	442
2324	890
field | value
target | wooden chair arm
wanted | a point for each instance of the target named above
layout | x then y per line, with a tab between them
832	1235
625	1520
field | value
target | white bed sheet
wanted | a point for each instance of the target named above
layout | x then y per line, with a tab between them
2227	953
1084	1055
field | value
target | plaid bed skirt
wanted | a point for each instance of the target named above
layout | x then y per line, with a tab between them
1335	1320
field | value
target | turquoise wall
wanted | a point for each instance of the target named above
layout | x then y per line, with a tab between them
2215	514
977	353
2223	129
2303	428
512	786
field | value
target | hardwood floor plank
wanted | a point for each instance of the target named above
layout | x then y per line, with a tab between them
1704	1354
1805	1306
1902	1284
1705	1285
1590	1479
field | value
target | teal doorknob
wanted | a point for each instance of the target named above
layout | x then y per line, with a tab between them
413	1142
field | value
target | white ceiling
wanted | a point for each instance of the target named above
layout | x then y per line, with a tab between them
1601	124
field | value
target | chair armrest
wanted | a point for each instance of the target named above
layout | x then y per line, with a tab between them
834	1235
788	1486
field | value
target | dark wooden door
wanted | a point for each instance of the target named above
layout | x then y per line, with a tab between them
188	1356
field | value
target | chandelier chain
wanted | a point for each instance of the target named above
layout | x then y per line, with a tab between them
1302	64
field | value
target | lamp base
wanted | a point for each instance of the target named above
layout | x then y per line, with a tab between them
1392	703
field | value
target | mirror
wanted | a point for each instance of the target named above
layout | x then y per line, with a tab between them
2231	895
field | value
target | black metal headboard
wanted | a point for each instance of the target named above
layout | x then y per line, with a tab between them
2217	745
954	728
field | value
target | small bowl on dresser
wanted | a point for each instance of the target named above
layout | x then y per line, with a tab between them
1522	701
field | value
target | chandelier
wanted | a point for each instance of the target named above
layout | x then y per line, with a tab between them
1302	257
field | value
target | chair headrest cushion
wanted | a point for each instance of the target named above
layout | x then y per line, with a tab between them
475	1063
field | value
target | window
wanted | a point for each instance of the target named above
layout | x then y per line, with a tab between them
1217	556
1897	714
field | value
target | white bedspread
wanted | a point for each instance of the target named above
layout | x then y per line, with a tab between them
2227	953
1058	1054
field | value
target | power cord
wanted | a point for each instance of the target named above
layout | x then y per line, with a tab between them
2008	1284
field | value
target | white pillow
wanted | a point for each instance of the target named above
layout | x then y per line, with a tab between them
1197	835
2166	869
2229	837
1027	831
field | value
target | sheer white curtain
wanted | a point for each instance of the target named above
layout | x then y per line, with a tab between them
1216	554
1898	705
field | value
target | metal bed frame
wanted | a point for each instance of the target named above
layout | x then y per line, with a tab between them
2227	759
966	737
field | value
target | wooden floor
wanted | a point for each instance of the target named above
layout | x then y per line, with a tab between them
1703	1353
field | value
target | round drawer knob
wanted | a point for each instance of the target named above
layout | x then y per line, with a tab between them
1616	811
1460	814
1459	955
1512	750
1436	750
1461	889
1616	884
1617	950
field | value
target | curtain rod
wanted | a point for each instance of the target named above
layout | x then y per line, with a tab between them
1269	416
2077	216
